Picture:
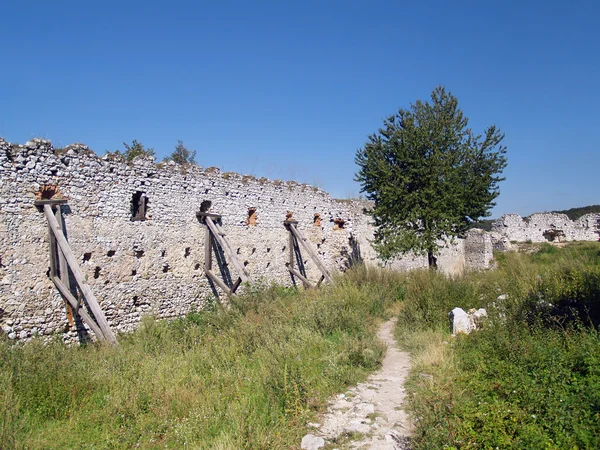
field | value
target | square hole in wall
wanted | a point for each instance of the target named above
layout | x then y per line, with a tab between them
139	206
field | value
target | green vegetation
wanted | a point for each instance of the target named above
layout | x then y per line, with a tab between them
530	378
576	213
251	376
182	155
429	175
135	150
244	378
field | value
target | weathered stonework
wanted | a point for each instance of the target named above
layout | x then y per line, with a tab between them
544	227
149	259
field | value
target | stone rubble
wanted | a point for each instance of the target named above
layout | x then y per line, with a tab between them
465	322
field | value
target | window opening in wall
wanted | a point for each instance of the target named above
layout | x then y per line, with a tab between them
165	268
139	206
47	192
338	224
251	220
205	205
97	272
188	250
87	256
139	253
110	253
317	220
163	253
133	273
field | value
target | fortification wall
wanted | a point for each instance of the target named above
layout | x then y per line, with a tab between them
543	227
155	265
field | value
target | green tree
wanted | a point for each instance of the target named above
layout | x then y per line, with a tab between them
182	155
429	176
135	150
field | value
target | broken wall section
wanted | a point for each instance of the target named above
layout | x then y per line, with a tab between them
548	227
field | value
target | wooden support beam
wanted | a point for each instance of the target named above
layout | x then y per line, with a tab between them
228	252
218	282
236	285
202	215
320	280
63	267
51	202
243	272
302	278
72	261
74	303
207	250
302	240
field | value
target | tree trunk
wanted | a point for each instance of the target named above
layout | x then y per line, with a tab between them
432	260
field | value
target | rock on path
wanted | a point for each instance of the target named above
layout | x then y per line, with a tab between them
371	413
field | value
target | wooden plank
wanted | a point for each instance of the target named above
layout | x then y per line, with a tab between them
304	280
218	282
53	253
312	253
320	280
62	262
234	256
236	285
63	267
207	250
202	215
75	305
62	201
72	261
228	252
292	252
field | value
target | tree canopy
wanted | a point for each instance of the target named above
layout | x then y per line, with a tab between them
429	175
182	155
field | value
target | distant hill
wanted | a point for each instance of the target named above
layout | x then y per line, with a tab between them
576	213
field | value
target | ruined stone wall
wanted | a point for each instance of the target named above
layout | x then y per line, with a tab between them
543	227
155	266
474	252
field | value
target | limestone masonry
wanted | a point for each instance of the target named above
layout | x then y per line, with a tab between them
548	227
134	230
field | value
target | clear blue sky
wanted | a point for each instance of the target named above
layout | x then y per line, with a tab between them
290	90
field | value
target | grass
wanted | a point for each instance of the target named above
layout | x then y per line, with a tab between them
252	376
249	377
530	378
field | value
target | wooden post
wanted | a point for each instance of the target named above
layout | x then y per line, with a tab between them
207	250
63	268
72	262
74	303
311	252
214	230
223	243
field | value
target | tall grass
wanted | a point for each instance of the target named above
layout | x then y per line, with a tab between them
247	377
531	377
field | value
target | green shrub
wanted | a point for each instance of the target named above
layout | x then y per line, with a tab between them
530	378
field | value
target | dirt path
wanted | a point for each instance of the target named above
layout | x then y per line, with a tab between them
370	415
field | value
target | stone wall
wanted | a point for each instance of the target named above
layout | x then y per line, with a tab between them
543	227
155	265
